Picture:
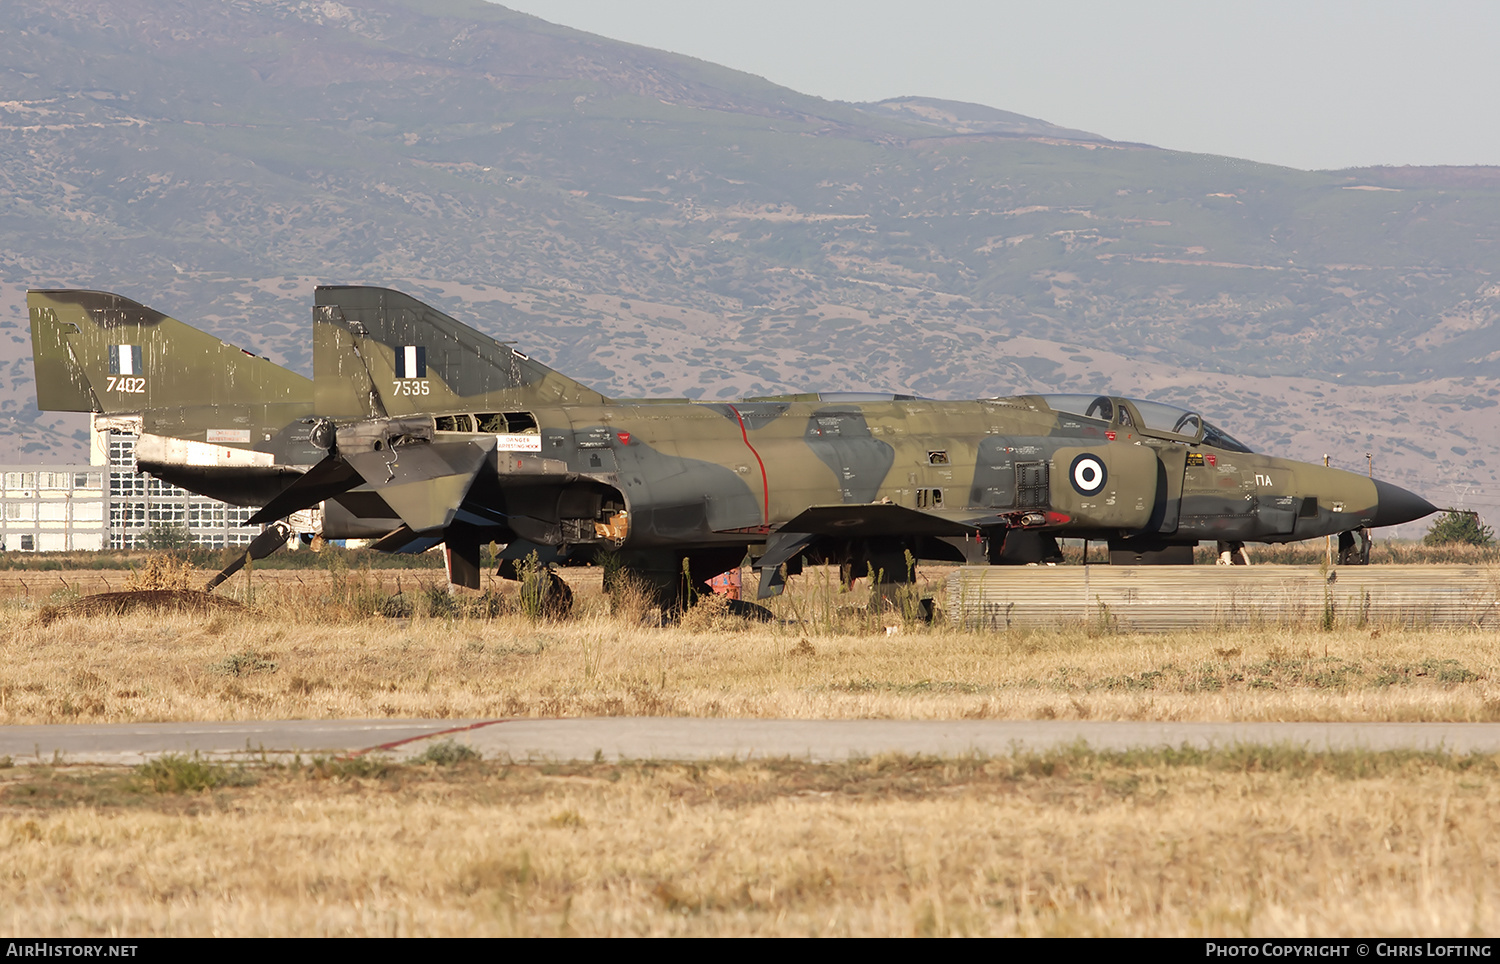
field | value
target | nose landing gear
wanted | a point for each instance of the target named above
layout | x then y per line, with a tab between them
1352	553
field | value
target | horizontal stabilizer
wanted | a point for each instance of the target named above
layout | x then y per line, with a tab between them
422	481
425	482
330	477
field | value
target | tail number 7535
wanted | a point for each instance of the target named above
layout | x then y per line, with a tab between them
412	386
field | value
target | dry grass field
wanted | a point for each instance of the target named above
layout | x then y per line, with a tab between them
1242	841
309	647
1247	842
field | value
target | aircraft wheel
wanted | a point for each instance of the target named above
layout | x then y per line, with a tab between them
1233	554
557	600
544	595
900	598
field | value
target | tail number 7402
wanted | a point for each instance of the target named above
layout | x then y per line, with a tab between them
131	384
412	386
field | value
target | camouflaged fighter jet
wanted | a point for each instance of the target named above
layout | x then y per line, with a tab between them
427	432
467	440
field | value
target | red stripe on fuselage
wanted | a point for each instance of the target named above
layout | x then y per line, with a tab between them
765	482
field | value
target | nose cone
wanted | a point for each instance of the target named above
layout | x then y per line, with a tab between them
1394	505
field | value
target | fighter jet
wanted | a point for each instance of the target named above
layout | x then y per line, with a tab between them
421	431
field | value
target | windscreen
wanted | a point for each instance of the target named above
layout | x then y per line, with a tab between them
1157	416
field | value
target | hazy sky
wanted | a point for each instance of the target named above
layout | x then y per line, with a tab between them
1307	84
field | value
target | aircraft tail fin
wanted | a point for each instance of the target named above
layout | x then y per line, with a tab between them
381	353
95	351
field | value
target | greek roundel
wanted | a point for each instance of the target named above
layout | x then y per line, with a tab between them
1088	474
411	362
125	359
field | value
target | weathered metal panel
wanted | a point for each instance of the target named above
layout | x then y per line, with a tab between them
1166	598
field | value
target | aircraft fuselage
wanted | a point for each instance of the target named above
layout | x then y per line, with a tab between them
693	474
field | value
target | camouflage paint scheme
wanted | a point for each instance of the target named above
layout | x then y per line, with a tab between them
190	384
420	430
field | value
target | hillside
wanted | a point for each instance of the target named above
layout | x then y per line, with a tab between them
655	224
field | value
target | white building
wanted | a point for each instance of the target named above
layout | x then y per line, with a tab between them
51	508
107	504
138	504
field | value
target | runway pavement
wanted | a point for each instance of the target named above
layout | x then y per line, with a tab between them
675	738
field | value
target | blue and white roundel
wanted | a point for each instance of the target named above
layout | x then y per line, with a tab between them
1087	474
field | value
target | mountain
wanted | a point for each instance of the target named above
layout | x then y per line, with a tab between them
655	224
977	120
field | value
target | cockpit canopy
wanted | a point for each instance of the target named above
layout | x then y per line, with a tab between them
836	397
1154	417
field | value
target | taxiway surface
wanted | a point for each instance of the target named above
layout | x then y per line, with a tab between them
676	738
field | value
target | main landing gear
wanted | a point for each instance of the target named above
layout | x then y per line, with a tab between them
1233	554
543	591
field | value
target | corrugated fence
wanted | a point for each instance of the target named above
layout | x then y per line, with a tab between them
1167	598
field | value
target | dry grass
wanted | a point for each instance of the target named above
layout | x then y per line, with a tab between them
1388	552
306	651
1229	843
163	571
1235	843
1313	552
